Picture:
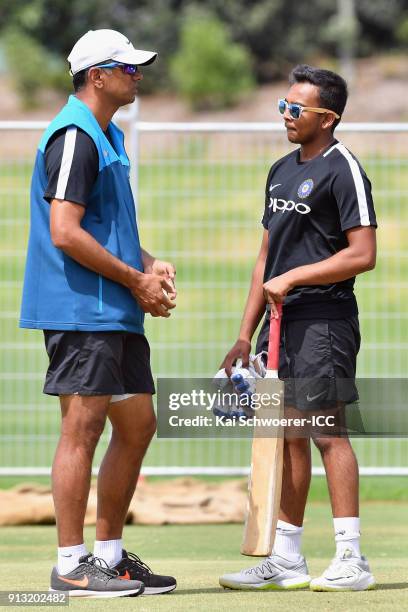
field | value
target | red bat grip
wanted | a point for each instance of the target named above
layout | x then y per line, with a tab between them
274	340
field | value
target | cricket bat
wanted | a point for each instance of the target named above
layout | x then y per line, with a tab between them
265	480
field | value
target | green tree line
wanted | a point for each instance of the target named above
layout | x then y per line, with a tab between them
260	37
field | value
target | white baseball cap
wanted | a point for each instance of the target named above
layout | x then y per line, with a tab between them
98	46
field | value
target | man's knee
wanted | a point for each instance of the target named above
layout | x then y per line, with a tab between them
138	433
328	444
83	432
151	427
149	431
297	444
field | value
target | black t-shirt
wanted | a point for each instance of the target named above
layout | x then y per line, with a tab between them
308	208
72	165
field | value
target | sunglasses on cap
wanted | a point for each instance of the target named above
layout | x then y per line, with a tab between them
296	110
126	68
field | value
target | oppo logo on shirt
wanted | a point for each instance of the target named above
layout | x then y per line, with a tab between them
289	205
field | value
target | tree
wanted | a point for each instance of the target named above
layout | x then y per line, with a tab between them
209	69
276	33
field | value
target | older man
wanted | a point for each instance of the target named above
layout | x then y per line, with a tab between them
88	283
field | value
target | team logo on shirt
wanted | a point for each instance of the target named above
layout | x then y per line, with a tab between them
305	188
279	204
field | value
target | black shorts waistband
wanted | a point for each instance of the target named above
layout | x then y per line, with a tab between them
335	309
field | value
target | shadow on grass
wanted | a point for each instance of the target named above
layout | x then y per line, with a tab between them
220	590
391	586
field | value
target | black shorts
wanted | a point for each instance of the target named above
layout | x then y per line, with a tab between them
317	361
97	363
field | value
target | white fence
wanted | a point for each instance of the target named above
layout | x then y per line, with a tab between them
200	199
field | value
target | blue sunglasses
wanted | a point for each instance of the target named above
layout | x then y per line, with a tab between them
296	110
126	68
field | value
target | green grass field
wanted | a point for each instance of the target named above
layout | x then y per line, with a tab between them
198	554
200	202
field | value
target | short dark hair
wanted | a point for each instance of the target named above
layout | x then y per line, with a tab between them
332	87
79	79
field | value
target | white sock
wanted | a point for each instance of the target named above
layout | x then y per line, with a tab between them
109	550
288	540
68	557
347	534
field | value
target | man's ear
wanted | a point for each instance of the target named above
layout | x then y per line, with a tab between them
95	77
328	121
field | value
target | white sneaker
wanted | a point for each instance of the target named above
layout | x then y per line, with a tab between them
274	573
345	573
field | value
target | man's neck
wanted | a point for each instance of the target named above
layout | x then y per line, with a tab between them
102	111
313	149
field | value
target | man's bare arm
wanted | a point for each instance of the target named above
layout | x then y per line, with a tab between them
253	312
68	235
359	256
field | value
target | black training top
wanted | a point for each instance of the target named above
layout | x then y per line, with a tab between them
308	208
72	166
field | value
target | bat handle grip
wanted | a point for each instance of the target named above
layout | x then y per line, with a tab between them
274	340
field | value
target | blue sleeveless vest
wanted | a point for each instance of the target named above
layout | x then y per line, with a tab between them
58	292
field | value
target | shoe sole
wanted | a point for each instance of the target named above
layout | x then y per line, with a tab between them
324	589
96	594
266	587
159	590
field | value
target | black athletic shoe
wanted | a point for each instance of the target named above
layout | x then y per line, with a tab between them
92	579
133	568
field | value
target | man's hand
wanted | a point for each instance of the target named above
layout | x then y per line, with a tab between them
168	271
153	293
275	291
241	349
162	268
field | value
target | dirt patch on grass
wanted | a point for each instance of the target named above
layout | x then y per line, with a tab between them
176	501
